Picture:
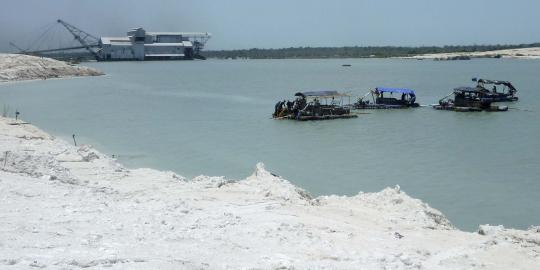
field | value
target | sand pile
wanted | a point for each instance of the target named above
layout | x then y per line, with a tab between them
17	67
67	207
524	53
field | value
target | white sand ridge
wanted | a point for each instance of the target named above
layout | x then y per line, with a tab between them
18	67
72	207
521	53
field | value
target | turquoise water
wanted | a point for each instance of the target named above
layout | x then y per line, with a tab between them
213	117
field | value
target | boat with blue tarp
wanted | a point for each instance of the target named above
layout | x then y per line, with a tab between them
387	98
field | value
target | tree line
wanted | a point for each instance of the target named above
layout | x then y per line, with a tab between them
353	52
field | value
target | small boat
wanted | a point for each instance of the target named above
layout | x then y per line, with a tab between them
407	99
508	92
314	105
468	99
346	65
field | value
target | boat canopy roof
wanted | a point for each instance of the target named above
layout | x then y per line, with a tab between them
484	81
395	90
321	94
466	89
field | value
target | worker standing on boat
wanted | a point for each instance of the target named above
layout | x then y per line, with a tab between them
277	108
299	104
283	109
413	98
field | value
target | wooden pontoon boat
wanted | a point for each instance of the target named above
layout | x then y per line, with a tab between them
468	99
317	105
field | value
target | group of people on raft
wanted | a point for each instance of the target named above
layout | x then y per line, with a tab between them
286	107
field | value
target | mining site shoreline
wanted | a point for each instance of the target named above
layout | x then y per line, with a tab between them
18	67
66	206
522	53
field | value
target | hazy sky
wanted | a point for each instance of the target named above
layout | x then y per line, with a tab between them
287	23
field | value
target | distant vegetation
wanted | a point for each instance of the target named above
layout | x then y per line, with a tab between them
354	52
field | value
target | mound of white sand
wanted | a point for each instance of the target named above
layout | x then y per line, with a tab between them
66	207
523	53
18	67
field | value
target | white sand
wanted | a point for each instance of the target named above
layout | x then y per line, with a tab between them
66	207
18	67
526	53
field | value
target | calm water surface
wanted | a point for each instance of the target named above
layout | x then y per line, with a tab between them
213	117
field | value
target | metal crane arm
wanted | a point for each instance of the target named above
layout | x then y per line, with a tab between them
87	40
61	49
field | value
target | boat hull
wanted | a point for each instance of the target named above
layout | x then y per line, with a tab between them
320	117
492	108
383	106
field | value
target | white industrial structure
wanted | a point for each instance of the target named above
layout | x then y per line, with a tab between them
142	45
138	45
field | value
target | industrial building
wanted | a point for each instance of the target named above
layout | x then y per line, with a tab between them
137	45
142	45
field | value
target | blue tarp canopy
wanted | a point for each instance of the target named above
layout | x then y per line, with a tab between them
395	90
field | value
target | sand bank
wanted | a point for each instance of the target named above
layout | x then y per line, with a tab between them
67	207
525	53
18	67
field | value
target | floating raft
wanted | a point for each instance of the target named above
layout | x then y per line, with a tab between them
505	99
320	117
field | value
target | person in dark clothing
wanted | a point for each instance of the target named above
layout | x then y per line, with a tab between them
277	108
413	99
289	105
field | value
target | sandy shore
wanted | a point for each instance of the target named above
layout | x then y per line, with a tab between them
67	207
18	67
526	53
